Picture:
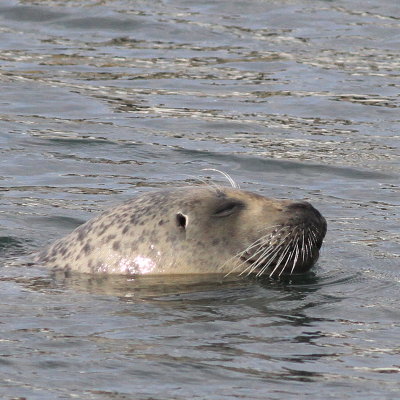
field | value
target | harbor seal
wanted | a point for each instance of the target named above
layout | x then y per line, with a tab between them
194	230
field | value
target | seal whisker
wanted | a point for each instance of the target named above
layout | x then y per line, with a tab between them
276	247
303	247
286	263
262	250
250	268
313	234
269	252
256	243
280	260
276	251
290	255
270	229
295	258
307	251
211	185
239	256
315	238
242	262
311	237
264	259
254	264
310	244
228	177
266	266
269	262
274	254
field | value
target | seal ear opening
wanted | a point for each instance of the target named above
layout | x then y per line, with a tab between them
181	220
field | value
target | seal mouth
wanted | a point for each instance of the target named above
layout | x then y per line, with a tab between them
277	266
286	250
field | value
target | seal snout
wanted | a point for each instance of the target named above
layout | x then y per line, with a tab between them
290	246
303	213
304	208
301	205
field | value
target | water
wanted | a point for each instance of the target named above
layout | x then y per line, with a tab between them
101	101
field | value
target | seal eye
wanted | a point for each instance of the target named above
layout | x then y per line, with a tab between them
181	220
228	208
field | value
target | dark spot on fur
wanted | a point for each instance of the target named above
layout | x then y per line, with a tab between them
87	248
116	245
81	234
110	237
134	244
134	219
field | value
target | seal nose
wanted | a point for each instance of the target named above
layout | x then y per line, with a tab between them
302	206
304	212
304	209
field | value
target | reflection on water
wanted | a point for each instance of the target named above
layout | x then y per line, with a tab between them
270	332
104	100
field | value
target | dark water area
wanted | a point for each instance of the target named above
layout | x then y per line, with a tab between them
103	100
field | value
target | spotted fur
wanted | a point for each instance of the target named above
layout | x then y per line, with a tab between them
200	229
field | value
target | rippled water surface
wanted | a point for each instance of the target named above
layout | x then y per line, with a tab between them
102	100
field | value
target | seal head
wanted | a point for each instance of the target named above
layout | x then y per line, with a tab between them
194	230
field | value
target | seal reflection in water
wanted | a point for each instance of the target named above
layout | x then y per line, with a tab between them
194	230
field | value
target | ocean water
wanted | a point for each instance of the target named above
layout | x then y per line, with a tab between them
103	100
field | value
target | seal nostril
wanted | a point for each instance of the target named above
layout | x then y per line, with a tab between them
181	220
